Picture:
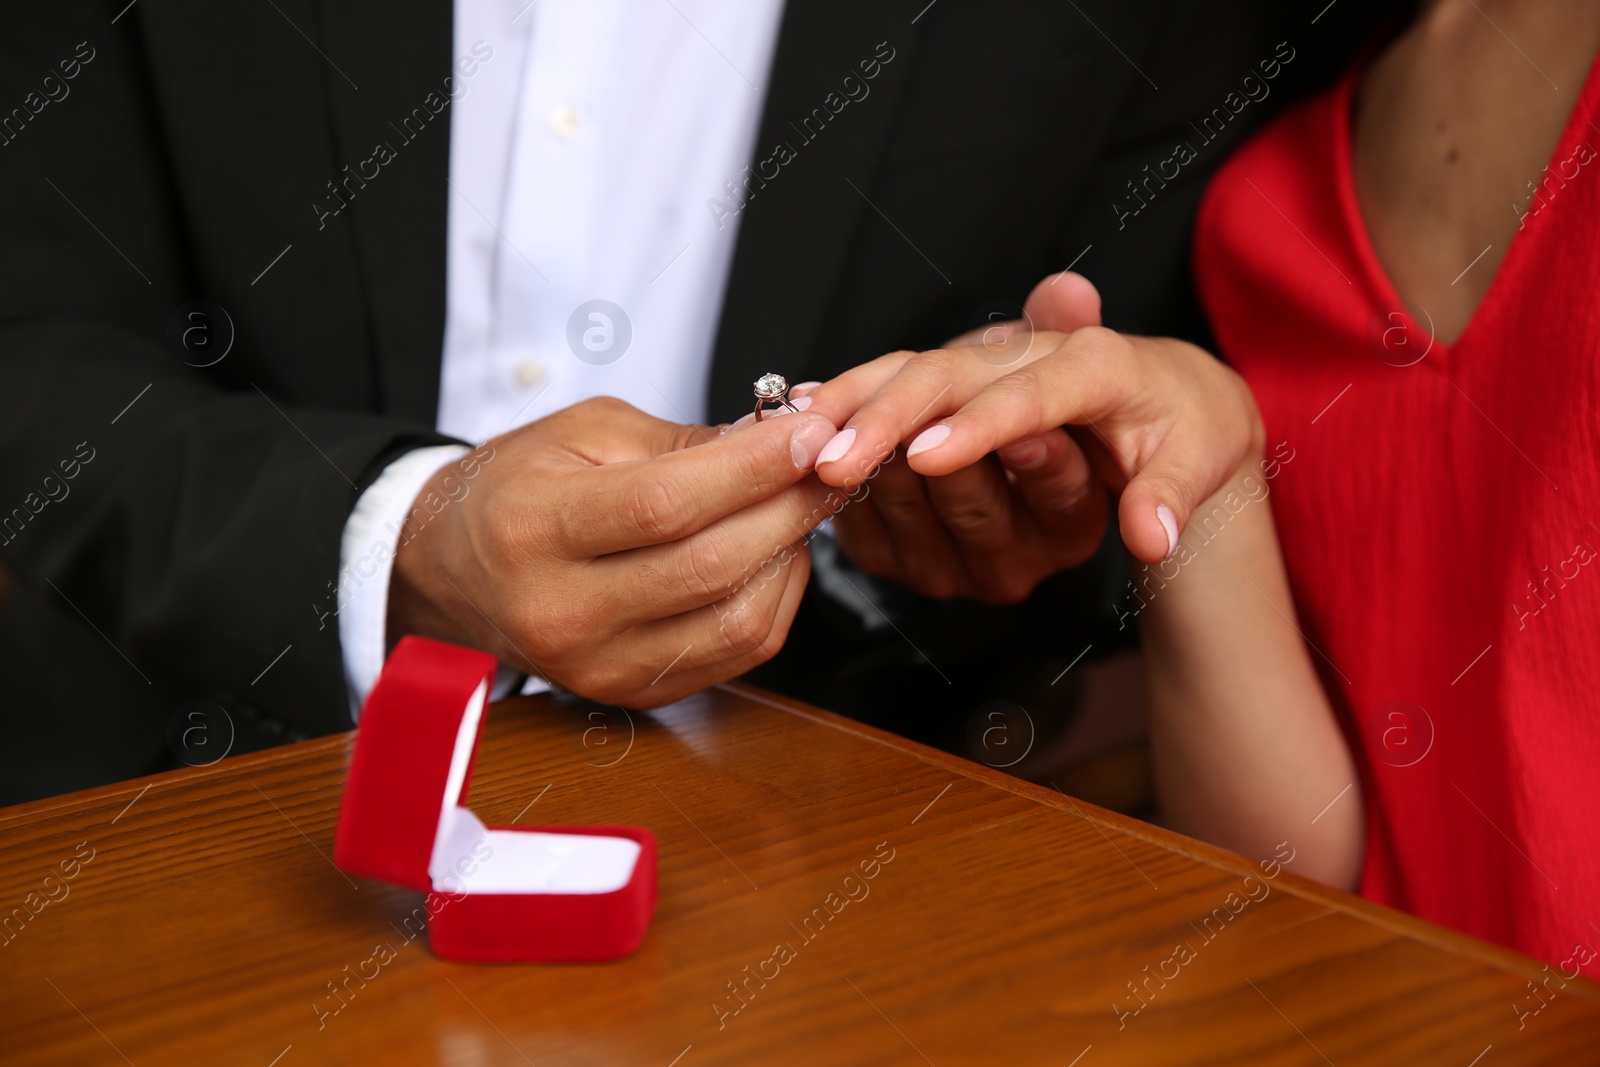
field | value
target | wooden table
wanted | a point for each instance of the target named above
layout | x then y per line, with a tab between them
1004	922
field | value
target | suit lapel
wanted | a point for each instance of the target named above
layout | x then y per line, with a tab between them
794	232
393	136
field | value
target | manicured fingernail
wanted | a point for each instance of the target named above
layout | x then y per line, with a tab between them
803	388
809	440
1025	454
838	446
1169	523
932	437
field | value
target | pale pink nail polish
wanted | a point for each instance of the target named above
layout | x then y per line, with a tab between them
931	438
805	387
1169	523
836	448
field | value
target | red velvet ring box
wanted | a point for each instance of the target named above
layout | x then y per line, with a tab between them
505	894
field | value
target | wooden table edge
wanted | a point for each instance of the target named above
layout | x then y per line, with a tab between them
1369	911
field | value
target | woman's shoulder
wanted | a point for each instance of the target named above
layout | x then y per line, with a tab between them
1292	162
1275	215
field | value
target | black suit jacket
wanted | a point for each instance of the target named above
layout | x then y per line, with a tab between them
173	151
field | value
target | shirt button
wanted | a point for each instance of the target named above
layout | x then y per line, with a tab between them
530	372
563	121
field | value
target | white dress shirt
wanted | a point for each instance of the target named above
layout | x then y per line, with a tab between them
583	258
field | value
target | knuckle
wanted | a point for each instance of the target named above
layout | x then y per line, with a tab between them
654	512
769	647
901	510
705	564
603	405
764	462
971	517
1097	348
935	363
899	496
744	625
896	359
571	524
1098	340
1020	394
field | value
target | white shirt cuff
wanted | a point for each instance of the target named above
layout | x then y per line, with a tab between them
366	558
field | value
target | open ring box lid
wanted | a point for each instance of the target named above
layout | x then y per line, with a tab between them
504	894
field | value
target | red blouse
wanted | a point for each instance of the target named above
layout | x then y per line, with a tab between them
1440	520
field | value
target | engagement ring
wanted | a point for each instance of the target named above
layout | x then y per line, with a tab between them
772	389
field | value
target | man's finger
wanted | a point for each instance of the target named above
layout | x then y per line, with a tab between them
700	648
1064	302
660	581
603	430
864	537
1065	501
976	506
929	560
642	502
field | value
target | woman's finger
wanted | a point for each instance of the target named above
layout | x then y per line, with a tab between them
1133	393
840	397
927	386
1186	469
1091	375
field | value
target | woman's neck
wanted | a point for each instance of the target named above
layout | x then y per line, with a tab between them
1455	122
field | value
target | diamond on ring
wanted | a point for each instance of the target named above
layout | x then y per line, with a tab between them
771	386
772	389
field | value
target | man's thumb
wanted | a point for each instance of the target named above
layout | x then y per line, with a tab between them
1063	302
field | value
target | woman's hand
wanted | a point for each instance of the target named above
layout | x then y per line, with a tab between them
991	530
1160	421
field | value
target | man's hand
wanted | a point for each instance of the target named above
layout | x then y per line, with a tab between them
625	558
992	530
